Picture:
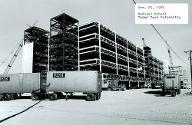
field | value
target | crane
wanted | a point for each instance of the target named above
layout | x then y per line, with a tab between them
17	52
14	57
171	66
144	44
170	60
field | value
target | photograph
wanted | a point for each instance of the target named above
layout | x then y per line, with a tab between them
96	62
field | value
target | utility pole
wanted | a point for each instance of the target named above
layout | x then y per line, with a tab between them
190	52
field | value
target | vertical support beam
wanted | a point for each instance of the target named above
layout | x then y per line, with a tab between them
190	52
138	84
144	66
49	41
63	42
78	60
158	72
100	61
128	59
49	44
137	68
48	52
116	54
128	63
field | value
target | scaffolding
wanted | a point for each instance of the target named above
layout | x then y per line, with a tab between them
63	45
39	38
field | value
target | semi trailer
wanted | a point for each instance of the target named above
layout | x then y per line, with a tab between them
13	85
171	84
51	84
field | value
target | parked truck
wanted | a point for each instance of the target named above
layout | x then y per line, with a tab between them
13	85
51	84
86	82
171	85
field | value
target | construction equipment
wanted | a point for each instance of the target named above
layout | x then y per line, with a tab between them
170	60
171	85
17	52
14	57
144	44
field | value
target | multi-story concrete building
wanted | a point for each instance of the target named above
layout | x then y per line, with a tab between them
114	56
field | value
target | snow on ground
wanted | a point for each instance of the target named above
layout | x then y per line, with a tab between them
131	107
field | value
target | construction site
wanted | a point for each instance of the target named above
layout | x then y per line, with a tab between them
93	46
88	74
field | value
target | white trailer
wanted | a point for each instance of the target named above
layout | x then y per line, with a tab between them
171	84
11	85
51	85
86	82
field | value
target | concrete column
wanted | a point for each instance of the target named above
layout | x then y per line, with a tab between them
138	84
100	68
78	49
129	84
116	54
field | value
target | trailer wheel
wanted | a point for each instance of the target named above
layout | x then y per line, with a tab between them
34	96
173	93
88	97
98	95
178	91
91	97
162	93
6	97
59	95
52	96
123	88
15	96
1	97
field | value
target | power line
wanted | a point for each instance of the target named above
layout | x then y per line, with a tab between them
164	40
167	43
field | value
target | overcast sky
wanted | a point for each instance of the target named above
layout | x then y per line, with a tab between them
118	15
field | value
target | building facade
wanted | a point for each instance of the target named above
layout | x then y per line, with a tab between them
115	57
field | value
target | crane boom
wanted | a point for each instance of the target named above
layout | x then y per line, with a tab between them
14	57
170	58
17	52
171	61
144	44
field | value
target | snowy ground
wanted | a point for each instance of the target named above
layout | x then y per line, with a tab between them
131	107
